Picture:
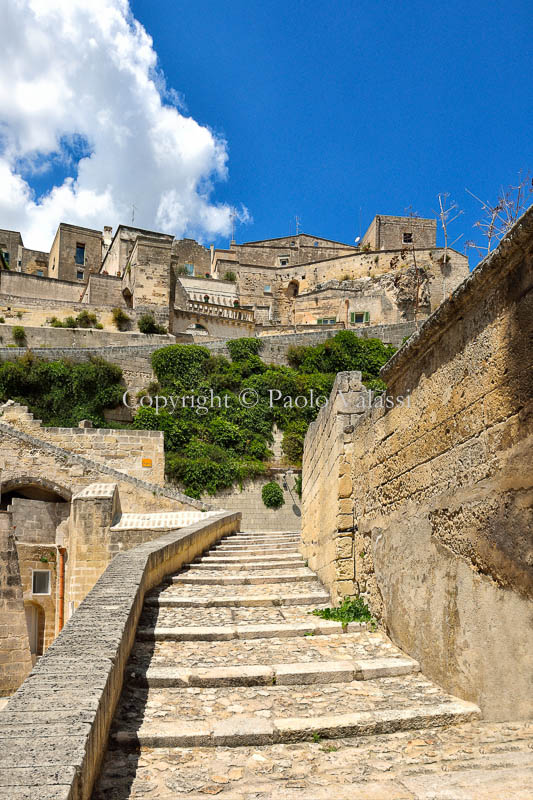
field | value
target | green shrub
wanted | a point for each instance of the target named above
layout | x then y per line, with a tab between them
55	322
121	319
2	320
292	443
180	366
296	355
230	276
147	324
298	486
19	335
86	320
272	495
241	349
70	322
61	393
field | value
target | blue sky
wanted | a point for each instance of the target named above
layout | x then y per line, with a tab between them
329	108
332	112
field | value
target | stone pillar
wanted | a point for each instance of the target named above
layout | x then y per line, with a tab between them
15	656
88	540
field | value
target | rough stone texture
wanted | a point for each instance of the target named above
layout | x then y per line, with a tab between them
138	453
442	489
255	515
328	521
15	657
78	680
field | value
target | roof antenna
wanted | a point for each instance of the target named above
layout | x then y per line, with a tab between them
297	220
133	210
232	226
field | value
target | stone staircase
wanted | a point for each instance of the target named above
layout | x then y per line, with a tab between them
228	655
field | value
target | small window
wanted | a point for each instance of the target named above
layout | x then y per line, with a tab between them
189	269
80	254
206	298
283	262
268	288
80	274
293	243
408	238
326	321
6	256
40	581
358	317
315	244
40	273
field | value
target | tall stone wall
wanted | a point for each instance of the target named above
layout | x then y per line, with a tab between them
328	530
15	656
442	489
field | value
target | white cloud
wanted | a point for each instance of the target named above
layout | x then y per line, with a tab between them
85	71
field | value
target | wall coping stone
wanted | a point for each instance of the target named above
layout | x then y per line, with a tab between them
56	725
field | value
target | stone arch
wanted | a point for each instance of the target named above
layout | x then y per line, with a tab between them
128	297
34	488
293	288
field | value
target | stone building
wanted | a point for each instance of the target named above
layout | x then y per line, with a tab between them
19	258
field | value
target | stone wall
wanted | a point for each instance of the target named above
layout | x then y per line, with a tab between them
23	285
138	453
387	233
28	460
44	559
442	489
35	521
15	657
57	724
328	516
255	515
275	347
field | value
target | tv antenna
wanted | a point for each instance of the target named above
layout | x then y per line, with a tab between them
297	221
233	215
133	210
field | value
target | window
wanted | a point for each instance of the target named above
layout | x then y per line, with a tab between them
268	288
80	254
408	238
283	261
326	321
5	253
39	272
189	269
80	274
40	581
358	317
315	244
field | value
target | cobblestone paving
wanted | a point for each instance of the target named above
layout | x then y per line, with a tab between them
469	761
474	761
266	651
279	701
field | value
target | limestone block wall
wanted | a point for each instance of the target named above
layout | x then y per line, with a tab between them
36	521
255	515
26	459
327	488
138	453
15	657
443	489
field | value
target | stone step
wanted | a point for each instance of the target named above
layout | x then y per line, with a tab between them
221	633
255	551
248	730
314	672
304	576
222	558
245	566
239	601
256	537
